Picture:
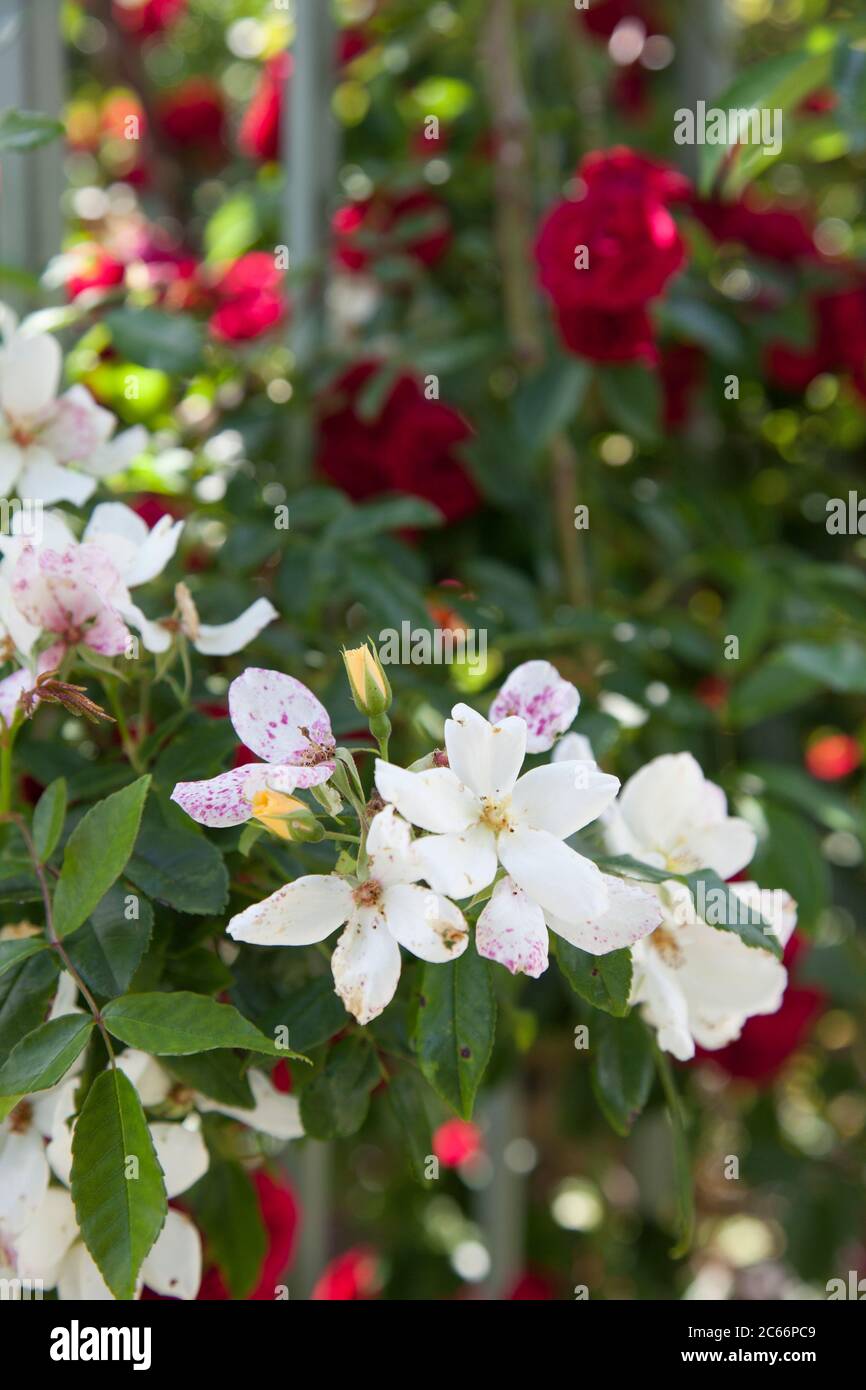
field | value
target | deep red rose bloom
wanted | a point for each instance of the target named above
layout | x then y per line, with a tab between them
153	506
351	43
532	1286
632	248
625	337
775	233
351	1276
833	756
840	344
767	1040
413	224
145	18
457	1142
603	16
410	445
259	134
194	113
249	298
280	1214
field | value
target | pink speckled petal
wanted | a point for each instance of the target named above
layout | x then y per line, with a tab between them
631	914
537	693
280	719
224	800
512	931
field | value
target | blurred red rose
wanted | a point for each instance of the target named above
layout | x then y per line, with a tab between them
259	134
601	17
145	18
351	1276
768	1040
834	756
775	233
409	445
193	114
412	224
622	227
280	1214
249	298
457	1142
94	269
839	344
532	1286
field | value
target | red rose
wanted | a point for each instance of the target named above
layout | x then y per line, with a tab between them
250	300
279	1210
413	224
351	1276
145	18
259	134
603	16
775	233
767	1040
94	269
194	113
409	446
621	229
840	344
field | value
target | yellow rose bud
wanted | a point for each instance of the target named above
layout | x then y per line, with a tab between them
370	687
271	808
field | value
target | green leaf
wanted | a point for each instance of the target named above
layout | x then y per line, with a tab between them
718	905
179	867
232	230
311	1014
107	950
226	1207
96	854
150	338
455	1027
769	689
633	400
622	1068
218	1074
45	1055
16	952
780	83
714	900
180	1023
603	981
549	401
25	993
839	665
48	819
405	1096
200	750
120	1204
335	1101
27	130
385	514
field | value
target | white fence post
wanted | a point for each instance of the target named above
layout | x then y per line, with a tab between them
32	78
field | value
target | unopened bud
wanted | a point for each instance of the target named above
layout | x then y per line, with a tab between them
371	689
286	817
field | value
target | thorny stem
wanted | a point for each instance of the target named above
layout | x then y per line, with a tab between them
50	932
